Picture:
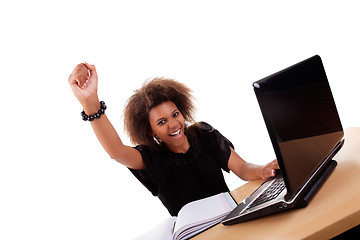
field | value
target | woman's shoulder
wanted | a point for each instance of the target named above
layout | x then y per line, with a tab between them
201	130
208	132
204	126
148	154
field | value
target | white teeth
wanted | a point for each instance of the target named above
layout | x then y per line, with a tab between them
175	133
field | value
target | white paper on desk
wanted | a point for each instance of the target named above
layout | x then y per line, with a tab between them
162	231
204	213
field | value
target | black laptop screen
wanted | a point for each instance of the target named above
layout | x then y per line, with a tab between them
301	117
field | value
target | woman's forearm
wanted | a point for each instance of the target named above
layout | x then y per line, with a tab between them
107	136
249	171
104	130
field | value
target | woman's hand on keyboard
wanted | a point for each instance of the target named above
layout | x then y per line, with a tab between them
269	170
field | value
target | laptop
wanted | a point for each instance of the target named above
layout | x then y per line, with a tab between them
305	130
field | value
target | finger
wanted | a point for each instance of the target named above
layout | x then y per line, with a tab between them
82	74
74	82
86	83
80	69
71	79
92	70
79	74
270	174
275	164
90	67
81	79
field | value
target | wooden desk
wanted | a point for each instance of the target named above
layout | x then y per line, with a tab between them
333	210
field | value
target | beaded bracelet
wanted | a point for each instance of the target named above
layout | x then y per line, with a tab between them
97	115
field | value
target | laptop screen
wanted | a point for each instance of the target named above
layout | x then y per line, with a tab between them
301	118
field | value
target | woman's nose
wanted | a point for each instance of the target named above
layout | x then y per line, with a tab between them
173	123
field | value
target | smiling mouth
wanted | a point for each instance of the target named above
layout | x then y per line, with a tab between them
175	133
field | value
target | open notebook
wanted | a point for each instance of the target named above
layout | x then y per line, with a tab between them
193	218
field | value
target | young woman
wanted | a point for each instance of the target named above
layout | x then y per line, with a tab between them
176	162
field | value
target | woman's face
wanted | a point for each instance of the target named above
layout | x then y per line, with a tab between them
167	123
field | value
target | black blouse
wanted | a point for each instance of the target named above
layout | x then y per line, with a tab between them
180	178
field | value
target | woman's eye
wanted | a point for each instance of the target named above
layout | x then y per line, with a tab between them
162	122
176	114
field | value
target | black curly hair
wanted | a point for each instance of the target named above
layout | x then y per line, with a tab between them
152	94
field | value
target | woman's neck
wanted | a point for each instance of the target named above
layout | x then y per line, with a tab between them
180	149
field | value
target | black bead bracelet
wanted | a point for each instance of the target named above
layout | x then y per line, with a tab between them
97	115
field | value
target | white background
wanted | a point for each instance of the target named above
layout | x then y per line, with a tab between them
56	182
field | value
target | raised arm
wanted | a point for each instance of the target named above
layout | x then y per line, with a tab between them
83	82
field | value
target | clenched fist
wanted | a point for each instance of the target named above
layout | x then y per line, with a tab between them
83	82
80	75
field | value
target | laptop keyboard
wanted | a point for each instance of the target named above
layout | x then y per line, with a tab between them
270	193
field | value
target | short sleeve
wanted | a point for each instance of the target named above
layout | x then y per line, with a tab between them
146	176
219	145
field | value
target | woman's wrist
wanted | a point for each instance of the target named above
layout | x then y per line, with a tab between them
252	171
91	106
96	115
259	171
